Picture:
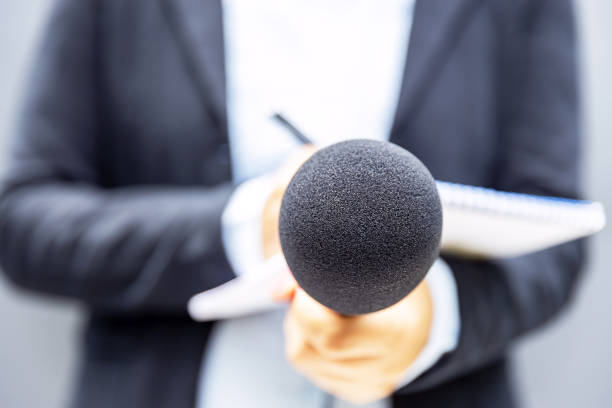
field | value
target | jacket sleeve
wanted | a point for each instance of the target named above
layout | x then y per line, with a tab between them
502	300
61	233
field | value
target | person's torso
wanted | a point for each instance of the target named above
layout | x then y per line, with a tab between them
161	86
163	108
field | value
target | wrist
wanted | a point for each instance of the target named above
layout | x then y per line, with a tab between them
241	223
445	323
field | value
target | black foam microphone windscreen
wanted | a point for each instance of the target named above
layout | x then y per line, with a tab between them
360	225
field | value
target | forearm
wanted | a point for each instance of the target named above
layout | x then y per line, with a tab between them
501	301
127	248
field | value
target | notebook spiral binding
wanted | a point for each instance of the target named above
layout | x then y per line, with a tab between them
585	215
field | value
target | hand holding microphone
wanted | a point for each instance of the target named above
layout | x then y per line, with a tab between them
360	226
357	358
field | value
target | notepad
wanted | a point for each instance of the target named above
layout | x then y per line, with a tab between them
245	294
477	222
486	223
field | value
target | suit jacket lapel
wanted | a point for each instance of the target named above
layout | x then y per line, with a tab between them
198	28
436	25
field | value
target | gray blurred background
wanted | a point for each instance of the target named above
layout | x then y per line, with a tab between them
568	364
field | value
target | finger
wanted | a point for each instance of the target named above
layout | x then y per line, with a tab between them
301	352
284	289
357	386
337	336
358	380
312	314
269	224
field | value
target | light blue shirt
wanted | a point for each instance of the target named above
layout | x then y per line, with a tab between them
334	67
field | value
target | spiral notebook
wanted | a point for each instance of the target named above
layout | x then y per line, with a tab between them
477	222
486	223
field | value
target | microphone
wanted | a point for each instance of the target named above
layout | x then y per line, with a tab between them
360	225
